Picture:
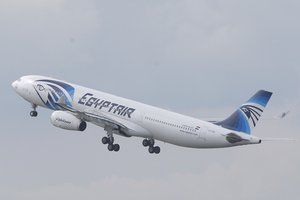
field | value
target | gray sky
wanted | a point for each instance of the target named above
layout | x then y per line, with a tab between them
197	57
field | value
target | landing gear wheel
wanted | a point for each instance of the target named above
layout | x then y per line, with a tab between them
33	114
151	142
151	149
116	147
105	140
145	143
111	140
110	147
157	149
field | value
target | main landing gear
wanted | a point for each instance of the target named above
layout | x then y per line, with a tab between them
111	146
150	143
34	113
109	140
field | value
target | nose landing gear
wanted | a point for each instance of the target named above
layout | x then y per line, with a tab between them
34	113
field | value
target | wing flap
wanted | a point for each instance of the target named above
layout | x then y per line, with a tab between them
102	119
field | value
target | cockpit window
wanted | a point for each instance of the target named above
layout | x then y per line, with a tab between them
40	87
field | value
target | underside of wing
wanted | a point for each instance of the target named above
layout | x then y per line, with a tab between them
97	118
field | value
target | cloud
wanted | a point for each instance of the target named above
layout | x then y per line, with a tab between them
265	171
202	58
245	177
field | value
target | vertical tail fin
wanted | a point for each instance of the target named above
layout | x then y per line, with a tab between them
246	117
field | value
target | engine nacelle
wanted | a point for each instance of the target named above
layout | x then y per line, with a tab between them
65	120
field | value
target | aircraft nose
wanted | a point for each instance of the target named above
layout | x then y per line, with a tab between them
15	85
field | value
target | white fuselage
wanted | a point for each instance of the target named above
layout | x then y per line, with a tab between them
143	120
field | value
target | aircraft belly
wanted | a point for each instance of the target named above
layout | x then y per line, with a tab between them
190	140
178	138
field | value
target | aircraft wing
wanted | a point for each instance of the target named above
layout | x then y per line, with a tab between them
101	119
97	118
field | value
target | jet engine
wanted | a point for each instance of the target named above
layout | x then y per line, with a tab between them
65	120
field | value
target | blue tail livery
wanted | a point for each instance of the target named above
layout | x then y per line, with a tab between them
246	117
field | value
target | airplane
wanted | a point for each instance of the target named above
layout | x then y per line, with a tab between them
74	106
